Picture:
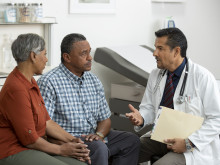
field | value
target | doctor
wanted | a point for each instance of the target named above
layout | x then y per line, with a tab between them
195	92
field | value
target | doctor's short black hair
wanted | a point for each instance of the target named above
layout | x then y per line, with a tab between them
68	41
175	37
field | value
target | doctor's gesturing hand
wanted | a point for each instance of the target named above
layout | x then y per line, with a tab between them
135	116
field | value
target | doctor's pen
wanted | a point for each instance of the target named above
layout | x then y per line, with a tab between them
156	119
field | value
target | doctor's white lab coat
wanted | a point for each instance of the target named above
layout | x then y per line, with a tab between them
201	98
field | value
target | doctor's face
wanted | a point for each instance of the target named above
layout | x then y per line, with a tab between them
164	56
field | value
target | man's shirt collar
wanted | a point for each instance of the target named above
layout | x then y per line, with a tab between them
71	75
179	70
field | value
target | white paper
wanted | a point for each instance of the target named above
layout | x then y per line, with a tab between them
137	55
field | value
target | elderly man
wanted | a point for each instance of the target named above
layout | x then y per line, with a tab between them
75	99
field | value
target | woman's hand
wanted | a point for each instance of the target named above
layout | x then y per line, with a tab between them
75	150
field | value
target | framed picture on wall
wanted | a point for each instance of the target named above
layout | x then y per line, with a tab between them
174	1
92	6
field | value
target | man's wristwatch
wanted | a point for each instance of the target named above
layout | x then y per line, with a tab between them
189	147
100	134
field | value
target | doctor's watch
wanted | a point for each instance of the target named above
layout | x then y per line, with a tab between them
189	147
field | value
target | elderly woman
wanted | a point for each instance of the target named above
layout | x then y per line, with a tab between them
24	121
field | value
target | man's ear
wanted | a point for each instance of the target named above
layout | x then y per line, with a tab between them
32	57
177	51
66	57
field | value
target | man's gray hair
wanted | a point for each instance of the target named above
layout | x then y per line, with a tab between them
25	44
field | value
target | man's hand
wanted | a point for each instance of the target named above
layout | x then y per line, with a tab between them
176	145
75	150
92	137
135	116
77	140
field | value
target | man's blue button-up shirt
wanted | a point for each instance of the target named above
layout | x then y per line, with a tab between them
75	103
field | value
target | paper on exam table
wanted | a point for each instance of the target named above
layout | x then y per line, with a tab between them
137	55
175	124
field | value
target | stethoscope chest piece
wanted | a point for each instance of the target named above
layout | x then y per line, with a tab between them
180	99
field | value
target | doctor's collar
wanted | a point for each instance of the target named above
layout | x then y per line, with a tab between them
179	70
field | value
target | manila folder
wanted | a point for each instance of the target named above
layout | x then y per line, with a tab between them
175	124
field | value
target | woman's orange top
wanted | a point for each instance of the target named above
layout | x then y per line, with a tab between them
23	115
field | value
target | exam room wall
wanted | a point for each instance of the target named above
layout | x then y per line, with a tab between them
134	23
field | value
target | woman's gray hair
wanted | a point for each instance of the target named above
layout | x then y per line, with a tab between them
25	44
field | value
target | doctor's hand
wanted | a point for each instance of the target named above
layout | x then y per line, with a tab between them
176	145
135	116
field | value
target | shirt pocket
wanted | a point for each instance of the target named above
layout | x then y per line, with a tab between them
35	116
39	114
93	104
194	104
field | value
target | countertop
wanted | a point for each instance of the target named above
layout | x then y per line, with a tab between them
5	71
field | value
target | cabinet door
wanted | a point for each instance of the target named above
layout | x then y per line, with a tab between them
2	81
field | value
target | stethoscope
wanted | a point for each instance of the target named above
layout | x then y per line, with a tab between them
180	98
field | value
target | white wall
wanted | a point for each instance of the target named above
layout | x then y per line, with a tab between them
134	23
129	25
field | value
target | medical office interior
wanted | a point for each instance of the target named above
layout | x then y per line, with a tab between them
125	28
